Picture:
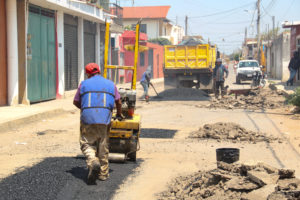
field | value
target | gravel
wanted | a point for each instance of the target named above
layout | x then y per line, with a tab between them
62	178
256	100
231	132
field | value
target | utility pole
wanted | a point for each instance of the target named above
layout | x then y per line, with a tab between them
186	25
245	35
258	30
273	19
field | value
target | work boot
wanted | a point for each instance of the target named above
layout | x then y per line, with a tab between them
103	177
93	172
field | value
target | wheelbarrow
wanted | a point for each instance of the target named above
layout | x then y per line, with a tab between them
239	91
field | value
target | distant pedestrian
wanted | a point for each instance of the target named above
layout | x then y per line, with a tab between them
219	78
294	65
145	82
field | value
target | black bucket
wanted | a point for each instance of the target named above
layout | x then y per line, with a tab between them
228	155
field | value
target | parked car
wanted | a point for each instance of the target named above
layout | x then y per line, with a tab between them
246	69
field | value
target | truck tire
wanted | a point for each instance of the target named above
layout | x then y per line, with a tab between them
237	81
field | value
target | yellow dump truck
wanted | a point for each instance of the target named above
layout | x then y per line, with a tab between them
189	66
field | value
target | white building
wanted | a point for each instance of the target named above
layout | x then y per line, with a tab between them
154	22
49	43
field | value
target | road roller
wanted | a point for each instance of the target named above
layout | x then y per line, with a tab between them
124	135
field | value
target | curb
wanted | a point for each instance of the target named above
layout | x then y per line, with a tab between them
10	125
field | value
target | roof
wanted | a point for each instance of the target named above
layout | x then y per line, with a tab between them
153	12
287	24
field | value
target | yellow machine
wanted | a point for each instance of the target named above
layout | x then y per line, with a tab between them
124	135
189	66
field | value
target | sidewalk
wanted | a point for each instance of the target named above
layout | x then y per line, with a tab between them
280	86
12	116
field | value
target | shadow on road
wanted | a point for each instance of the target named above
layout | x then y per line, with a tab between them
63	178
182	94
157	133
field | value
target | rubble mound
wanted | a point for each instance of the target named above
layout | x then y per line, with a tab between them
236	181
183	94
232	132
256	100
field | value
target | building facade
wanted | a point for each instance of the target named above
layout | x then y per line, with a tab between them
3	57
150	58
278	57
48	44
295	39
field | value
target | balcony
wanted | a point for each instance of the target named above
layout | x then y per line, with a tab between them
117	11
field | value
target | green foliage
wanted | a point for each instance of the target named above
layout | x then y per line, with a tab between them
294	99
160	41
128	28
269	35
236	57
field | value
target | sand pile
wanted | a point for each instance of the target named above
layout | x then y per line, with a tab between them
236	181
231	132
256	100
183	94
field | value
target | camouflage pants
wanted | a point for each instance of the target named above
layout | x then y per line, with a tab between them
94	145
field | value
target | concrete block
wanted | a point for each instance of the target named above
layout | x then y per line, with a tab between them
286	173
239	183
260	194
262	178
270	169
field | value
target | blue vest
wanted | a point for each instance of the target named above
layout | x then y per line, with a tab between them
97	100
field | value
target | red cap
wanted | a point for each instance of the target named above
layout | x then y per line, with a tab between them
92	68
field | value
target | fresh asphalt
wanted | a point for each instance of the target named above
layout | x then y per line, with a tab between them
62	178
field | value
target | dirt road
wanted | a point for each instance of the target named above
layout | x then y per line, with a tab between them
43	160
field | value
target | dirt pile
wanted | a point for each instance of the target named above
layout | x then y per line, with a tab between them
236	181
183	94
256	100
231	132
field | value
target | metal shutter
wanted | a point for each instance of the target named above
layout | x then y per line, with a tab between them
89	42
71	52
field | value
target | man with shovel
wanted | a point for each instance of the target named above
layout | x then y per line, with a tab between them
145	82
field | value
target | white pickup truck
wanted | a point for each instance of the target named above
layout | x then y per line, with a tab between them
245	70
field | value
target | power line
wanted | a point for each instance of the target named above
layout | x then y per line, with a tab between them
222	12
288	9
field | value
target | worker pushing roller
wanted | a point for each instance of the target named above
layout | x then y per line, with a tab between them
105	135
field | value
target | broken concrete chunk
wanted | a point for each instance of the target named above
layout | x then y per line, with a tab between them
286	173
268	168
260	194
288	184
241	183
224	166
277	196
262	178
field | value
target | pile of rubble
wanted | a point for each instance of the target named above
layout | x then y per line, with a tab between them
236	181
232	132
256	100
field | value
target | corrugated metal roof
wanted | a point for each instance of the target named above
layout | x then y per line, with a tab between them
145	12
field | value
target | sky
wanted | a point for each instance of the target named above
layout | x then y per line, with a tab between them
223	22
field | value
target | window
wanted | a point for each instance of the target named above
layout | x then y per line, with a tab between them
142	59
143	28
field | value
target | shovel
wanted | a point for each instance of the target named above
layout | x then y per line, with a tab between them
154	89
